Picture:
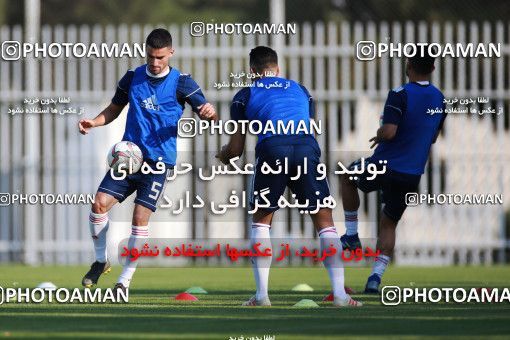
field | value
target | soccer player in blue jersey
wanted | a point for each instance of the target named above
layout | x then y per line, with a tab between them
289	103
404	141
156	94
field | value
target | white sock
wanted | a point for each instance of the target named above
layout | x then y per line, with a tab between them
380	264
261	265
99	224
351	222
138	238
329	237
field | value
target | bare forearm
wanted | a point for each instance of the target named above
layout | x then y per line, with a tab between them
386	132
381	134
108	115
105	117
233	151
234	148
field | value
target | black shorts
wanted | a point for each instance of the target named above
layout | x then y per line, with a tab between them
148	187
293	150
393	184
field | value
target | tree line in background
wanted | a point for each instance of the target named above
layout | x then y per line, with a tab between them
181	11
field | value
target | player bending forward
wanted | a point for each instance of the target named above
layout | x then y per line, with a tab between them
404	141
264	103
156	94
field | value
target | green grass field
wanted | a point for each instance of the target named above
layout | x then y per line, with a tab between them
152	312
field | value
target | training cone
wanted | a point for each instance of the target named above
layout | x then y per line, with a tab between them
185	297
302	287
480	292
306	303
330	297
196	290
46	285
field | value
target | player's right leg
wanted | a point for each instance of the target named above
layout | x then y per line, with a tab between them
110	192
307	188
386	244
395	187
323	222
260	233
99	223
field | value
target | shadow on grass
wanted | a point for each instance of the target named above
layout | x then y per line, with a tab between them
193	319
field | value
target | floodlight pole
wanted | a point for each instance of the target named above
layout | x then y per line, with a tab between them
277	16
31	213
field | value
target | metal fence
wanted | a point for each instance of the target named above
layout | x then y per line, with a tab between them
45	154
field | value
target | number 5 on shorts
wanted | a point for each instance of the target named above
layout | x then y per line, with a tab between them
156	190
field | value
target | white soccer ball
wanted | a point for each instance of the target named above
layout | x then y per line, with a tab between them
127	153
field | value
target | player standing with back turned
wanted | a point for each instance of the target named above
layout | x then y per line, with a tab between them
264	103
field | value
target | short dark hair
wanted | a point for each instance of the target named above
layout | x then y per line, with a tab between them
159	38
262	57
423	64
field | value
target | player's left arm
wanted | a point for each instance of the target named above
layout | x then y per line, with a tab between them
385	133
440	127
312	107
393	110
235	146
189	91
